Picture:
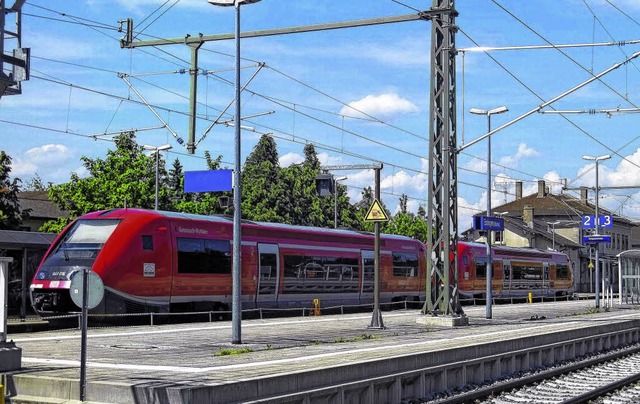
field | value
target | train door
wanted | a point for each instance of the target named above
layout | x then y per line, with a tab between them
545	278
506	280
268	274
366	287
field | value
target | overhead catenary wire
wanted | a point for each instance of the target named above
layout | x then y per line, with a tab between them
299	107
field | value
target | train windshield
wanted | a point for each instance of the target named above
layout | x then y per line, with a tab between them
85	238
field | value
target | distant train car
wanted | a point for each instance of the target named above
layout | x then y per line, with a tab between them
154	261
516	272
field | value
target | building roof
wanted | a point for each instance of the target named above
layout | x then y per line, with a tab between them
556	206
40	206
11	239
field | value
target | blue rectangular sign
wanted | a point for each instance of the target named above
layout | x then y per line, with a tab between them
208	181
596	239
488	223
588	222
604	221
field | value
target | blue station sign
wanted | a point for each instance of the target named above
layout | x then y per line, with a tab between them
488	223
208	181
590	222
596	239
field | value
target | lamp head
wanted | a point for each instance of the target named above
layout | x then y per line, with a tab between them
158	148
498	110
478	111
227	3
495	111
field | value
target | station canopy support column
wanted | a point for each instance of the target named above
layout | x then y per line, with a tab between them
629	277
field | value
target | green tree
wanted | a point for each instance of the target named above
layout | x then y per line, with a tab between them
408	224
11	216
262	190
404	200
303	205
36	184
126	177
422	213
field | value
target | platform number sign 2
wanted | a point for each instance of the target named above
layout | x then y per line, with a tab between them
604	221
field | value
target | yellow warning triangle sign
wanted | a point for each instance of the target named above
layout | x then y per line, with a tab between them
376	213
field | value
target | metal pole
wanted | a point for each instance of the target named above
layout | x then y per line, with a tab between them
335	203
489	269
4	296
597	224
24	287
376	318
236	306
83	339
157	171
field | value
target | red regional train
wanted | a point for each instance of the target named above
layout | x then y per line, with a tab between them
516	272
156	261
165	261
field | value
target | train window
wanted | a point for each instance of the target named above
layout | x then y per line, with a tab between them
200	256
405	264
147	242
85	239
481	267
314	274
562	271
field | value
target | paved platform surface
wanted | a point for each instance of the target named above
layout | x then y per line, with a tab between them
193	353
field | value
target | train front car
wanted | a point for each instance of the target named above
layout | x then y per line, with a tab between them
113	244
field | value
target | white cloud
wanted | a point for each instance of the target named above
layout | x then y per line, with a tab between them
380	106
49	161
295	158
48	154
64	47
523	152
290	158
327	160
143	7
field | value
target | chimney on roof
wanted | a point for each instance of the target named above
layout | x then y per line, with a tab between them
527	215
518	190
542	189
584	195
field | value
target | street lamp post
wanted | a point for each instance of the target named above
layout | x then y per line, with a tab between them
335	201
488	114
156	151
596	220
236	292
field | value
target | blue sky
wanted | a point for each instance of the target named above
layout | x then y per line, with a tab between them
360	95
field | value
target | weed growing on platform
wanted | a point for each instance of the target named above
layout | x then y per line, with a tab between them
229	351
590	310
362	337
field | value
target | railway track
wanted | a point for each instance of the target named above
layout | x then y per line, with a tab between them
610	378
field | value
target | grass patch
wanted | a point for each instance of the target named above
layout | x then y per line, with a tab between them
230	351
362	337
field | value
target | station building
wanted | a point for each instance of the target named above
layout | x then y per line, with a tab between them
548	221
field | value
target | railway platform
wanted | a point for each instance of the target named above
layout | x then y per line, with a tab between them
328	358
